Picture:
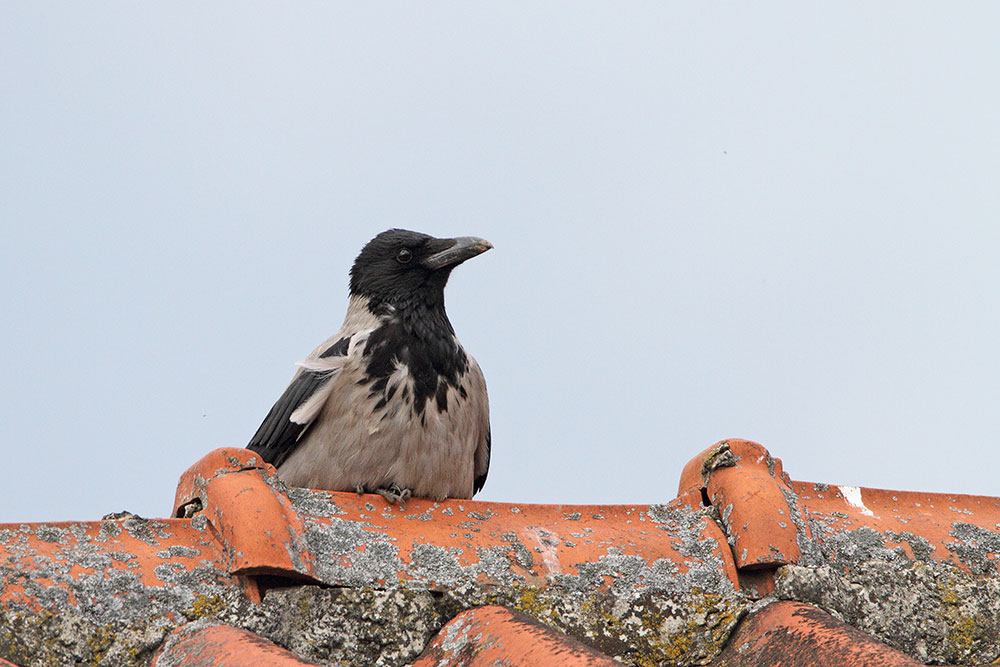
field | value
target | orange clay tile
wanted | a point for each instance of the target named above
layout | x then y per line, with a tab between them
248	531
238	527
221	646
351	539
791	634
752	493
260	531
769	518
362	540
250	515
960	529
488	636
151	567
4	663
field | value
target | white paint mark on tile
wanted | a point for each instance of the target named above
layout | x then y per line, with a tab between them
852	494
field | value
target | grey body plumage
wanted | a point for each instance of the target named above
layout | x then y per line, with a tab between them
391	402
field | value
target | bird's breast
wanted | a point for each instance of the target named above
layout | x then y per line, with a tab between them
426	366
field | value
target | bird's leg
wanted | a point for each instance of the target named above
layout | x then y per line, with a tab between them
360	489
394	495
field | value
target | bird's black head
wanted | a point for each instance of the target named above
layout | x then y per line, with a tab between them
400	267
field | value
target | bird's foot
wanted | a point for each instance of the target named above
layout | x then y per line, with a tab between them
360	489
394	495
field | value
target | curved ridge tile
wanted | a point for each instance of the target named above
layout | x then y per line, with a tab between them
790	634
488	636
205	645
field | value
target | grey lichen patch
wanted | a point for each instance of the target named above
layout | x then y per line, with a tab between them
109	531
436	565
345	553
630	575
103	594
346	626
316	503
124	557
51	533
721	456
810	552
726	513
297	546
976	547
178	551
33	639
932	610
519	554
146	530
495	564
844	548
441	567
920	546
770	463
455	636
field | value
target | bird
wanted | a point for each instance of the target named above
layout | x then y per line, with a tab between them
391	403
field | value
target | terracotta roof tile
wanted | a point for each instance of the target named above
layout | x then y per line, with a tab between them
258	528
789	634
49	566
645	583
195	645
488	636
960	529
770	518
752	493
266	529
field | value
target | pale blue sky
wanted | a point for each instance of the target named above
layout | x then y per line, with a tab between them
776	221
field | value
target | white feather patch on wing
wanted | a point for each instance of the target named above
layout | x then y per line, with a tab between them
321	365
311	407
305	413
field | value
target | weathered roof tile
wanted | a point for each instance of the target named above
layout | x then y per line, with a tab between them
198	645
488	636
751	492
323	572
789	634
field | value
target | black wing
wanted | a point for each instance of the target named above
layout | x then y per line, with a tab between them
480	479
278	435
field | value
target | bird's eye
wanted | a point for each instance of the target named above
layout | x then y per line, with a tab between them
404	255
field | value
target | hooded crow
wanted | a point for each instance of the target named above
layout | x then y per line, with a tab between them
391	403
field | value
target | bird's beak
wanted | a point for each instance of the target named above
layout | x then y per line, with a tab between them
459	250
